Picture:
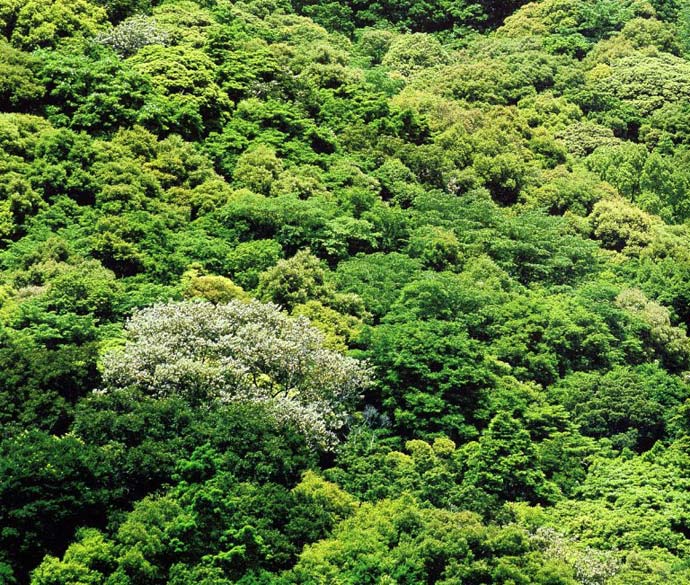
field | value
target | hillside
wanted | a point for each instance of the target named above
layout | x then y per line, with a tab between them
344	293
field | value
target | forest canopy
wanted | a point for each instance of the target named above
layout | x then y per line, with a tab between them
313	292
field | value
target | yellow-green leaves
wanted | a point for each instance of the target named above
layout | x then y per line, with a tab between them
34	24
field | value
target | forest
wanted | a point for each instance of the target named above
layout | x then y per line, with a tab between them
344	293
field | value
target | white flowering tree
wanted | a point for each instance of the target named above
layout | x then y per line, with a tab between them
239	352
132	34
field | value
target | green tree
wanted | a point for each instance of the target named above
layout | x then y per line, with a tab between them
503	466
91	89
190	102
377	278
20	88
294	281
393	541
30	25
632	407
431	376
210	287
257	169
49	486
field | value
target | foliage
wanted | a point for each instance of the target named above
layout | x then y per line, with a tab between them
294	281
393	540
49	485
470	219
33	24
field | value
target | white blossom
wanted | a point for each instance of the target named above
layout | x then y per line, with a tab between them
133	34
239	352
591	566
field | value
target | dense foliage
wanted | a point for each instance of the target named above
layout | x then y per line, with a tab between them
344	292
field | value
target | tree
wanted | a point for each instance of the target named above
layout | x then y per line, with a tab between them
146	438
431	376
120	9
257	169
18	200
249	259
294	281
670	343
83	562
62	165
549	336
133	34
377	278
48	487
89	88
436	247
18	84
189	102
621	226
411	53
211	287
636	81
33	24
629	406
171	537
637	505
84	289
239	352
399	541
40	384
502	466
